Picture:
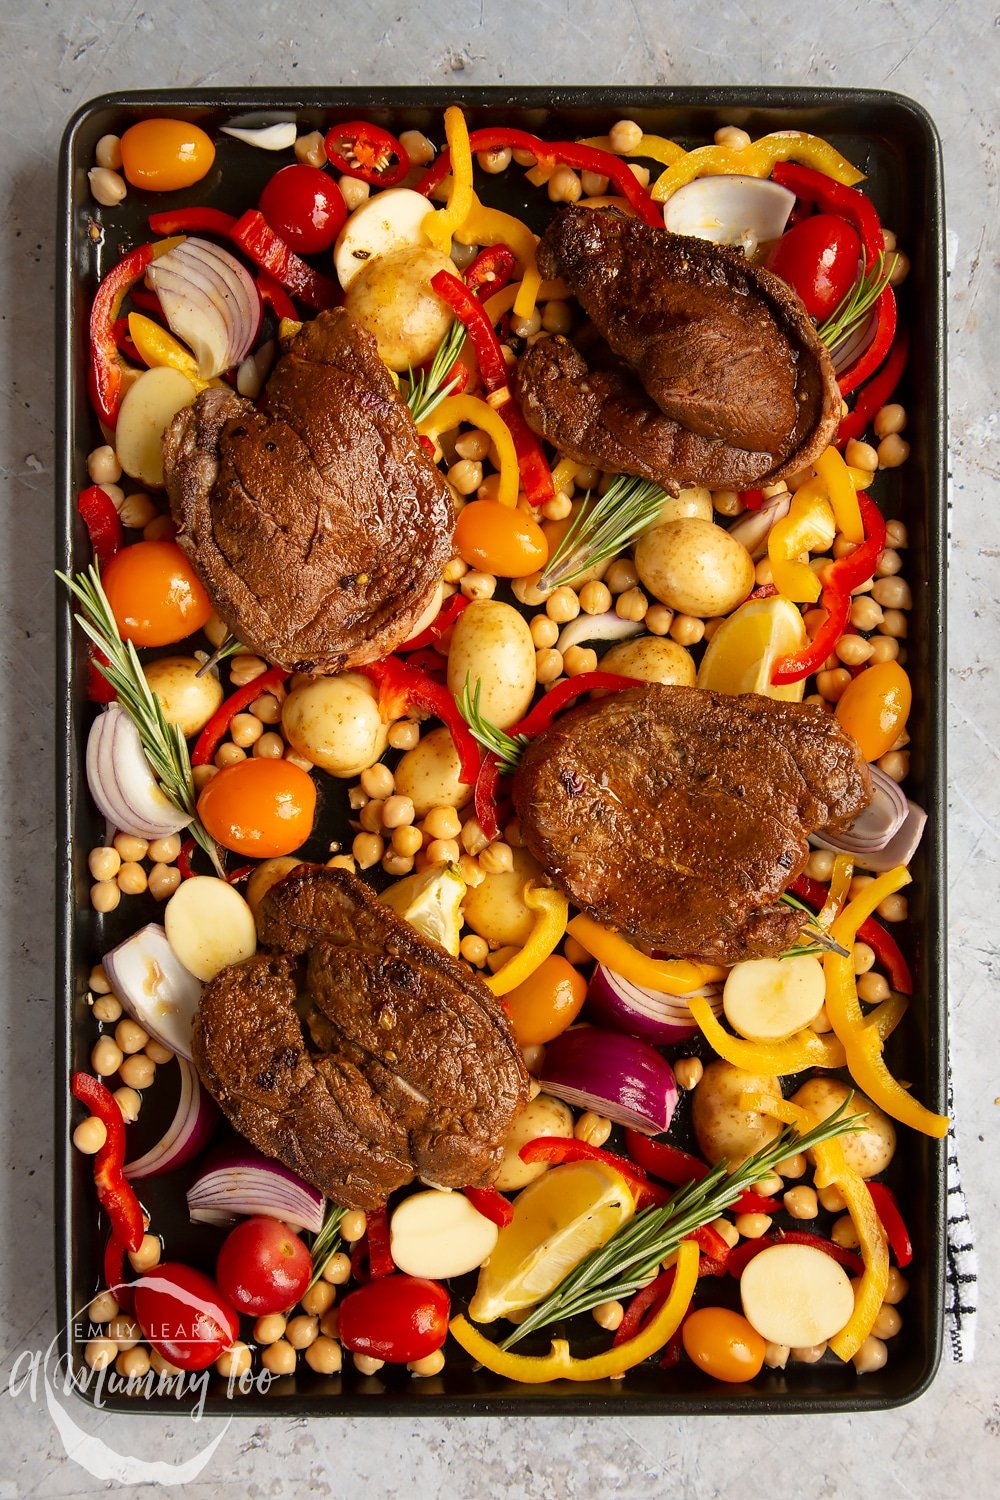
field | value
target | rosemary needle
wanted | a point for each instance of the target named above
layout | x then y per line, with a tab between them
852	311
327	1242
603	527
506	747
430	387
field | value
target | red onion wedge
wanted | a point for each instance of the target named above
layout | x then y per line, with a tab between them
654	1017
122	782
239	1180
154	987
899	849
619	1076
873	829
753	528
735	210
210	301
188	1133
850	349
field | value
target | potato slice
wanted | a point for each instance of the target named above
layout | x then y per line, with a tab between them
769	999
440	1234
209	925
795	1295
388	221
148	409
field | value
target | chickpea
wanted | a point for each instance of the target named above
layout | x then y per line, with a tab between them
544	631
801	1202
157	1053
104	863
354	192
575	953
100	1353
162	881
727	502
894	908
90	1135
871	1356
125	1332
861	456
557	318
108	153
137	1072
526	591
533	1057
688	1072
338	1268
368	849
365	1364
632	605
98	981
896	534
893	450
442	823
465	476
165	850
873	989
130	848
160	529
890	419
624	137
686	630
592	1128
329	1323
353	1225
407	840
495	161
378	781
621	575
820	864
442	852
866	613
853	650
562	605
397	812
495	860
270	746
763	573
887	1322
431	1364
548	668
476	585
130	1036
148	1254
753	1226
776	1356
810	1355
564	186
893	593
885	648
895	764
202	775
279	1358
302	1331
844	1233
310	149
324	1356
396	864
595	597
833	684
523	328
129	1102
608	1315
897	1287
474	950
793	1166
732	137
106	1057
768	1186
107	187
659	619
106	1008
266	708
579	659
105	895
246	669
727	1232
131	879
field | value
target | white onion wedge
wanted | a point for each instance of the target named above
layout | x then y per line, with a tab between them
210	301
753	527
155	988
277	137
122	782
770	999
606	627
795	1295
209	925
439	1235
730	210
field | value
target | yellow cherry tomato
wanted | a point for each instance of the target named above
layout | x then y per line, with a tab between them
500	540
723	1344
875	707
262	808
155	594
164	155
545	1003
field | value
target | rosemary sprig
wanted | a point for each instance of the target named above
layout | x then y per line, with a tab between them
603	527
229	647
165	746
852	311
633	1256
327	1242
819	939
506	747
430	387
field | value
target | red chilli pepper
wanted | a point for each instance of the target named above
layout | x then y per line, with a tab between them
882	943
660	1159
211	736
102	521
114	1193
99	689
750	1202
487	784
402	686
743	1254
752	499
106	375
490	271
544	712
876	393
441	623
557	1148
184	859
359	149
715	1249
896	1231
192	221
268	250
642	1306
833	197
491	1204
114	1274
275	294
380	1261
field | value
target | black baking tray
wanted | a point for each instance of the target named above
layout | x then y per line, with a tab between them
895	142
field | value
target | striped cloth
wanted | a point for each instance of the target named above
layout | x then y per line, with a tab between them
961	1263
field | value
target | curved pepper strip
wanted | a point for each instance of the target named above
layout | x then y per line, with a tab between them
211	736
559	1149
876	393
843	496
863	1043
548	930
878	350
741	1257
840	885
667	976
441	224
832	1170
808	527
805	1049
878	938
492	1204
455	409
115	1194
833	197
502	301
490	271
108	371
104	527
892	1222
762	158
156	348
560	1364
651	147
403	686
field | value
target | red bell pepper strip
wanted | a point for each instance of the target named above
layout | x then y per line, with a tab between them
671	1356
536	474
270	291
268	250
878	938
125	342
544	712
713	1246
743	1254
878	349
114	1274
487	783
642	1306
750	1202
831	197
402	687
184	858
876	393
491	1204
661	1159
240	873
192	221
99	689
557	1148
357	148
211	736
566	153
114	1192
102	521
896	1231
752	499
106	376
490	271
763	591
360	1269
441	623
380	1261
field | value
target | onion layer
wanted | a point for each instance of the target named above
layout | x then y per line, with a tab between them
122	782
188	1133
154	987
240	1180
733	210
606	627
753	527
872	829
619	1076
210	301
617	1002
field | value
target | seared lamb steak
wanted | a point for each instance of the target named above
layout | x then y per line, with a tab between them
356	1051
722	349
317	523
680	815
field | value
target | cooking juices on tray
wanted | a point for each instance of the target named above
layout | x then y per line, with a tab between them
555	561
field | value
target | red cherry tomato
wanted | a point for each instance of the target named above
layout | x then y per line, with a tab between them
261	808
360	149
818	258
263	1267
155	594
305	206
184	1315
397	1318
723	1344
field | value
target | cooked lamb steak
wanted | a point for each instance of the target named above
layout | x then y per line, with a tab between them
680	816
356	1051
722	349
317	523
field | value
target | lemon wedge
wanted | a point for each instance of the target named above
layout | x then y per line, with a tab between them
741	654
432	903
558	1220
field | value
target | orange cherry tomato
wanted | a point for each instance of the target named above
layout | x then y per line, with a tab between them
261	808
545	1003
874	707
723	1344
500	540
164	155
155	594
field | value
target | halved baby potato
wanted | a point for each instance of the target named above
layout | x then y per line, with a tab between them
769	999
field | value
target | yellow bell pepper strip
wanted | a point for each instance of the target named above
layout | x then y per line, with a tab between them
441	224
503	301
756	160
455	409
860	478
806	1049
862	1043
843	494
832	1171
652	147
489	226
559	1364
548	930
667	976
158	347
840	884
564	473
808	527
887	1016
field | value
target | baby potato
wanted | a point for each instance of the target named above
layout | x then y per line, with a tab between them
693	502
149	406
543	1116
335	722
491	645
496	909
268	873
869	1151
725	1131
188	701
651	658
393	298
429	774
694	566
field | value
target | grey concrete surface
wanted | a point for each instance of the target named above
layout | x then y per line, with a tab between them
53	56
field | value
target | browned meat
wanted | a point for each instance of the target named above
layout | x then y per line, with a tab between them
317	523
723	349
680	816
356	1051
